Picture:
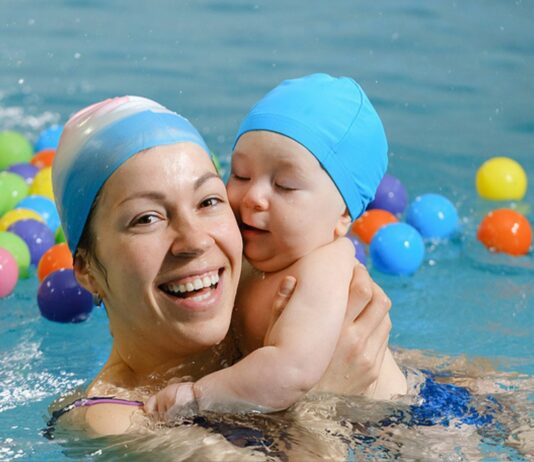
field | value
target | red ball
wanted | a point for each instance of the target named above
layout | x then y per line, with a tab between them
370	222
507	231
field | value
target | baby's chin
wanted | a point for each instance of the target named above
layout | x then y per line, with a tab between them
271	264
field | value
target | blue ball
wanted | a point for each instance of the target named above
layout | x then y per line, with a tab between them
433	215
44	207
397	249
48	138
38	237
62	299
359	249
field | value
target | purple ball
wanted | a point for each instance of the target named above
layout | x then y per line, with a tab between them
359	249
26	171
62	299
37	236
391	195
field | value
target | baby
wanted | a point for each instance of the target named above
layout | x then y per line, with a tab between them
307	160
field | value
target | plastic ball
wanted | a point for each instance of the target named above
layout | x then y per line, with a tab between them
44	207
25	170
506	231
62	299
433	215
391	195
16	215
42	183
43	158
397	249
16	246
359	249
216	162
55	258
14	149
48	138
37	236
13	189
60	236
9	273
370	222
501	179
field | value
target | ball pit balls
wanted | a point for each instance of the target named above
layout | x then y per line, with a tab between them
370	222
60	236
13	189
501	179
25	170
37	236
43	158
14	149
433	215
62	299
359	249
506	231
16	215
55	258
391	195
48	138
42	183
397	249
9	273
44	207
16	246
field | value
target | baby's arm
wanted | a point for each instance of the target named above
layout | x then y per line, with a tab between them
297	352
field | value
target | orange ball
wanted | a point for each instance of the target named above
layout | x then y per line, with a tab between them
370	222
507	231
43	158
55	258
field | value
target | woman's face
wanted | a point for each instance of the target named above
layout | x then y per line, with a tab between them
170	250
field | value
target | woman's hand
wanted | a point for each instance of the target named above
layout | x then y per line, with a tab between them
363	341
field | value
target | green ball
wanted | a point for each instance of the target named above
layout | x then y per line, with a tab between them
60	236
216	162
14	149
19	249
13	189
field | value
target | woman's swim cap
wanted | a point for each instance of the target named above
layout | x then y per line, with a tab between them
336	122
98	140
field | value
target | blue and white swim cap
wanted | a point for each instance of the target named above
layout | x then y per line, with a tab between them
336	122
98	140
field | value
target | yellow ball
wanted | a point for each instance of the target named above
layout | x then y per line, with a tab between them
18	214
42	183
501	179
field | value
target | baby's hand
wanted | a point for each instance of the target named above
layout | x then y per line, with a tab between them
175	399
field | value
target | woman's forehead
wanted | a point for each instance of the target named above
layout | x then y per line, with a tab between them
159	169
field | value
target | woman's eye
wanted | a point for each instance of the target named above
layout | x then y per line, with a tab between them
210	202
147	219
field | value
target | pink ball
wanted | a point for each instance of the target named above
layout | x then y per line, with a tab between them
9	273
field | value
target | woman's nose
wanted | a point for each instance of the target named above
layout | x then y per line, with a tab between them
256	197
191	239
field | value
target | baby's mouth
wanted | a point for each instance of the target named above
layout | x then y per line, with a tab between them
193	286
245	227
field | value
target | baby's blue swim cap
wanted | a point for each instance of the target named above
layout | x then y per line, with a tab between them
98	140
336	122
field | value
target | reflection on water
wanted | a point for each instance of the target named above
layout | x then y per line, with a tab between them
494	424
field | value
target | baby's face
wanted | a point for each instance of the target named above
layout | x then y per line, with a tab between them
285	203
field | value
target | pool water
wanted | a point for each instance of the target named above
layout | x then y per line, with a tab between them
453	84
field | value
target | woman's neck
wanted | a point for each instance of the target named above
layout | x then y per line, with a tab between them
142	368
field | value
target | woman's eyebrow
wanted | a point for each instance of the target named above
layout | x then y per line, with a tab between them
157	196
207	176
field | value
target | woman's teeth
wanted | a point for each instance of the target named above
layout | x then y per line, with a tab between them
198	283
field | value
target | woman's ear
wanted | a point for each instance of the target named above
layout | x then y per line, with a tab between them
83	272
343	224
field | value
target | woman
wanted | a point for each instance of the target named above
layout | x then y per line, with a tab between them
147	219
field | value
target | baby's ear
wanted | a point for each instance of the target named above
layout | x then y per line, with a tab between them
343	224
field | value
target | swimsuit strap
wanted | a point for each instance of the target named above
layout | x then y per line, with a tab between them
48	432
